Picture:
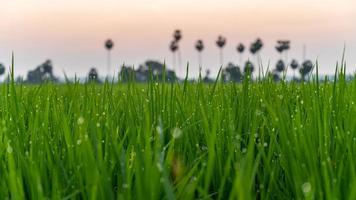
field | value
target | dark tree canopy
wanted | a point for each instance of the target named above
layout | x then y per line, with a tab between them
199	45
177	35
109	44
150	68
173	46
43	72
93	75
232	73
282	45
280	66
221	41
240	48
306	68
256	46
249	68
2	69
294	64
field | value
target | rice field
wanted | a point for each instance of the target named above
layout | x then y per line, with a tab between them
255	140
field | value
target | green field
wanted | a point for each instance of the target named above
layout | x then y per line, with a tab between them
254	140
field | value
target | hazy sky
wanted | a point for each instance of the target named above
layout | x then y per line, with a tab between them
72	32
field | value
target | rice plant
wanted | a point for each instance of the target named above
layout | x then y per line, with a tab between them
255	140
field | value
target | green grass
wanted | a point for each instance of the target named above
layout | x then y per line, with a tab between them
255	140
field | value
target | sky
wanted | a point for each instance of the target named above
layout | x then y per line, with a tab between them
72	32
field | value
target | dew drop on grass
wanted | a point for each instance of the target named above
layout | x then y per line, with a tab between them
159	166
79	142
306	188
9	149
80	120
177	132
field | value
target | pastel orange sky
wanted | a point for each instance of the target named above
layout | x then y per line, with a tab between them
72	32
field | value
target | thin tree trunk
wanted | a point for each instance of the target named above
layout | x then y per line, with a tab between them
109	62
179	61
240	59
174	61
221	57
199	60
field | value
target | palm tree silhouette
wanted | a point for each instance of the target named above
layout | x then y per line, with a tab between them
280	66
109	44
93	75
283	46
220	42
249	68
240	49
306	68
177	35
255	49
294	64
199	46
173	47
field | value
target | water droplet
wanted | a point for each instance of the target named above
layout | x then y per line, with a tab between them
80	120
306	188
177	132
9	149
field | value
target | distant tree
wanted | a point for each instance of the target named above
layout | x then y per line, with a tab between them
255	48
43	72
150	68
177	36
305	69
294	64
249	68
240	49
199	46
280	66
2	69
232	73
220	42
282	47
206	78
109	44
93	75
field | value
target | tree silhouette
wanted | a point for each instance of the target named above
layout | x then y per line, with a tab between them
2	69
305	69
220	42
173	46
255	48
232	73
240	49
280	66
294	64
43	72
199	46
109	44
177	35
283	46
93	75
249	68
